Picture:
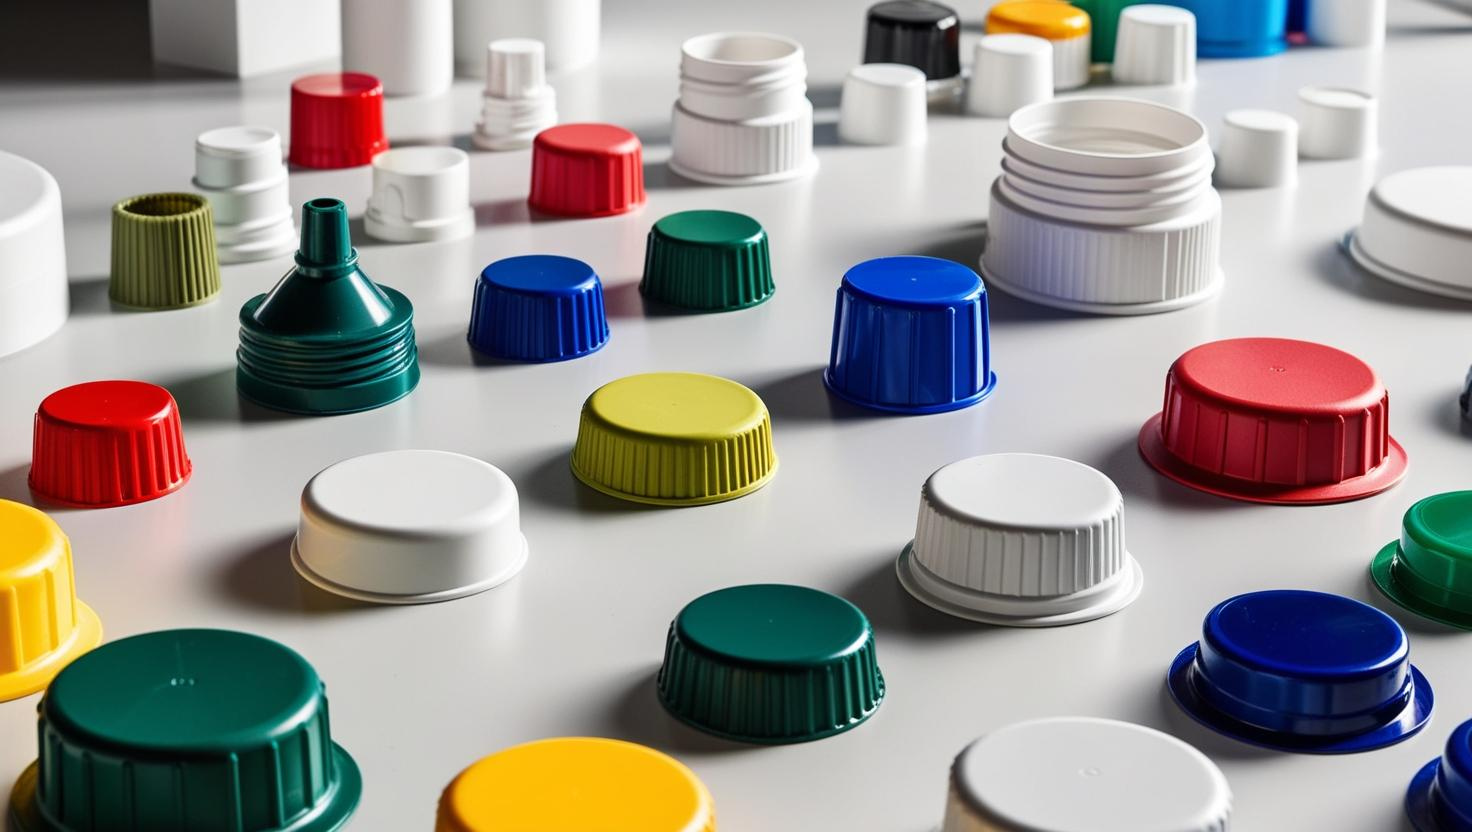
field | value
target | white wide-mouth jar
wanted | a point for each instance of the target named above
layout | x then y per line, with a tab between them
1107	137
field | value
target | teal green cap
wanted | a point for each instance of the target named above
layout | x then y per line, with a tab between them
1428	571
707	261
771	663
198	730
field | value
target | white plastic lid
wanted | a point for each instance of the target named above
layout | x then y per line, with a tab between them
1417	230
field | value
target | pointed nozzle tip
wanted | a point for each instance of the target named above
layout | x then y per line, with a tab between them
325	237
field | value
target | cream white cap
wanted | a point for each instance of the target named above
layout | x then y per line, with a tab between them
420	194
1337	123
240	170
1258	149
883	104
1345	22
1010	72
1417	230
34	300
515	68
1156	45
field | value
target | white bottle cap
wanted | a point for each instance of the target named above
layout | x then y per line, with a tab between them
518	103
34	300
1156	45
240	170
1345	22
1259	149
1011	72
1337	123
515	68
408	45
883	104
1417	231
409	527
420	194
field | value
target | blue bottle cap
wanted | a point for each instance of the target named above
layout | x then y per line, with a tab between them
1242	29
1302	671
540	307
1440	796
910	335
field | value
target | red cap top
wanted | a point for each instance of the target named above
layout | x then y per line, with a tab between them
336	120
1274	420
108	443
586	170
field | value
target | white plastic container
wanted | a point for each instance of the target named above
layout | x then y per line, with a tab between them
1156	46
518	102
1357	23
409	527
240	171
406	44
34	299
568	28
244	38
1337	123
883	104
420	194
1010	72
1417	231
1259	149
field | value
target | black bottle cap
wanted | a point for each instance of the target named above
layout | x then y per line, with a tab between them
922	34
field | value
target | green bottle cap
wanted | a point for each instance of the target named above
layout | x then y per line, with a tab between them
163	252
770	663
198	730
1429	570
711	261
326	339
1104	22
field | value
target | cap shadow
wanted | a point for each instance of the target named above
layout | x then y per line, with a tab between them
1445	414
262	576
212	397
964	244
89	297
625	300
549	482
15	484
890	609
1204	739
639	717
1335	267
803	397
1137	480
454	350
659	176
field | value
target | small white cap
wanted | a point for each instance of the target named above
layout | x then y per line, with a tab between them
241	172
409	527
1345	22
883	104
1417	231
515	68
228	157
1259	149
1337	123
1011	72
1156	45
420	194
34	300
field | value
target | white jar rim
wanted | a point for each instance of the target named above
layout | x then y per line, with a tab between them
1107	136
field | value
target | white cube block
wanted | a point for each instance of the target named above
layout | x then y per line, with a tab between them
244	37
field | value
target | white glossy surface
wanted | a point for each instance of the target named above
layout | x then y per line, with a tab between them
1258	149
34	302
1009	72
1417	229
1156	45
883	104
1337	123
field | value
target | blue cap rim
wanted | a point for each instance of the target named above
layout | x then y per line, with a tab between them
1421	799
913	410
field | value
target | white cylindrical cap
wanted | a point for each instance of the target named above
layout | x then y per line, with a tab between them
34	300
1345	22
1337	123
1156	45
241	172
1259	149
1417	230
569	29
1011	72
1071	773
515	68
518	103
407	44
420	194
228	157
883	104
741	76
409	527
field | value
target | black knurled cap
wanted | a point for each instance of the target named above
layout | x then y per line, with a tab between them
920	33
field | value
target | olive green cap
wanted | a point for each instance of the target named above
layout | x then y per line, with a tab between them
163	252
1429	570
708	261
770	663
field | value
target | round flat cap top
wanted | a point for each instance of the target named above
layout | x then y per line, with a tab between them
1306	635
920	281
126	405
711	228
1281	374
1431	196
338	85
588	140
1029	491
541	274
773	625
913	13
412	492
678	405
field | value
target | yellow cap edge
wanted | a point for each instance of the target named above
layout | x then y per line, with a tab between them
1049	30
26	682
674	502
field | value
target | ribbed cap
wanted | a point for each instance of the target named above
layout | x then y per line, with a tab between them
771	663
711	261
919	33
336	120
586	170
1429	569
108	443
674	439
540	307
163	252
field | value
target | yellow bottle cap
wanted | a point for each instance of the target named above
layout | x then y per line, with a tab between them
576	784
1049	19
674	439
38	597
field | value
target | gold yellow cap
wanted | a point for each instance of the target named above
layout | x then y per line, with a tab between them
575	784
1050	19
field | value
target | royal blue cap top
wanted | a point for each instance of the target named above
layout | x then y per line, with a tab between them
1306	635
1238	29
541	274
539	307
914	281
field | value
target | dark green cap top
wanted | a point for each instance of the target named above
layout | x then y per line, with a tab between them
771	663
1429	570
709	261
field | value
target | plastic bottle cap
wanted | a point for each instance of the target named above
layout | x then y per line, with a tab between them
1427	570
1417	231
239	169
1012	72
34	296
1157	45
539	307
326	339
1074	773
102	444
38	598
420	194
770	663
518	103
1021	540
674	439
883	104
163	252
911	335
1357	23
1440	796
577	783
1251	29
1337	123
709	261
919	33
1259	149
206	730
586	170
1302	671
1271	420
1066	26
336	120
515	68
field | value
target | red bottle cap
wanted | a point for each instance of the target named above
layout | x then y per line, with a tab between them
336	120
108	443
586	170
1272	420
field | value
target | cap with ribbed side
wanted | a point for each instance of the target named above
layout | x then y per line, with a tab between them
674	439
540	307
586	170
1429	569
336	120
204	730
163	252
771	663
919	33
711	261
47	626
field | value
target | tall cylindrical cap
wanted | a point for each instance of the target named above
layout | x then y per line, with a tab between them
38	599
1429	569
674	439
108	443
919	33
1303	671
205	730
1439	798
163	252
1259	149
586	170
883	104
911	335
1021	540
336	120
515	68
1071	773
577	783
1012	71
539	307
1062	24
770	663
1244	29
1337	123
1272	420
34	296
707	261
420	194
1157	45
1345	22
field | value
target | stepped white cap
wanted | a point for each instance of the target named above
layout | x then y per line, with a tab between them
1417	231
240	170
34	299
519	103
420	194
515	68
1345	22
1337	123
1259	149
1022	540
883	104
1010	72
1156	45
